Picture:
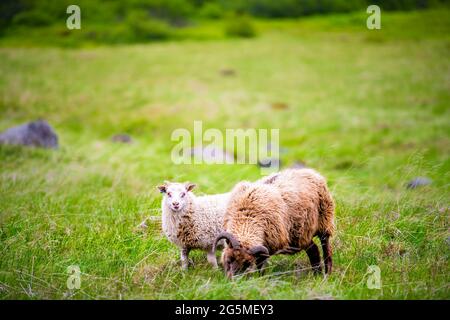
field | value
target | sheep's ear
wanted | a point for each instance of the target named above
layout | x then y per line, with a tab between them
190	186
162	188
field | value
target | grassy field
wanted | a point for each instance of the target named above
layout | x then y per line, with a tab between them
369	109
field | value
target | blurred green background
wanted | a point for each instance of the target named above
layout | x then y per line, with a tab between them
369	109
131	21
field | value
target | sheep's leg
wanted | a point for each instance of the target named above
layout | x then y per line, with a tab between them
261	265
211	256
327	253
314	257
185	258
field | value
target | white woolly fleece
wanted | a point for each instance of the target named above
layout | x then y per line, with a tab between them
204	215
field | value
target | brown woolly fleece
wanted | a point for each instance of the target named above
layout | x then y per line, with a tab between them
284	211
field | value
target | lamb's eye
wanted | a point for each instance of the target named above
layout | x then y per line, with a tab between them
169	194
183	194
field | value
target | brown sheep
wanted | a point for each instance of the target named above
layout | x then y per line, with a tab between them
279	215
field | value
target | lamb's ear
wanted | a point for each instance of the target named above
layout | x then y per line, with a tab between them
190	186
162	188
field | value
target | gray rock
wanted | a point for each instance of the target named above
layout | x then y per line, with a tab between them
121	138
228	72
418	182
37	134
269	163
448	240
212	154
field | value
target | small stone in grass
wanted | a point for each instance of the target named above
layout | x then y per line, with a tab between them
418	182
279	106
121	138
212	154
228	72
269	163
37	134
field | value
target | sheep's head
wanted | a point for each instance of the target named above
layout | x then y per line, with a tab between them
237	259
175	194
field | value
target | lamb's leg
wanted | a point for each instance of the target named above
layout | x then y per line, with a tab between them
211	256
185	258
314	257
327	253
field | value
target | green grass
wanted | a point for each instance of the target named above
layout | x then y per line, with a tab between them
368	109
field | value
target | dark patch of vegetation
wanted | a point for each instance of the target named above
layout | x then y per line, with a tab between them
117	21
240	26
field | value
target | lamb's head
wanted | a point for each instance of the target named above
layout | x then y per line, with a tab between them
238	259
176	195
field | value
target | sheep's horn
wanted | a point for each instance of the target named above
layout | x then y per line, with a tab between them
232	241
259	251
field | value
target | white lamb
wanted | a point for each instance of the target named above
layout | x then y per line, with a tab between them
192	222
